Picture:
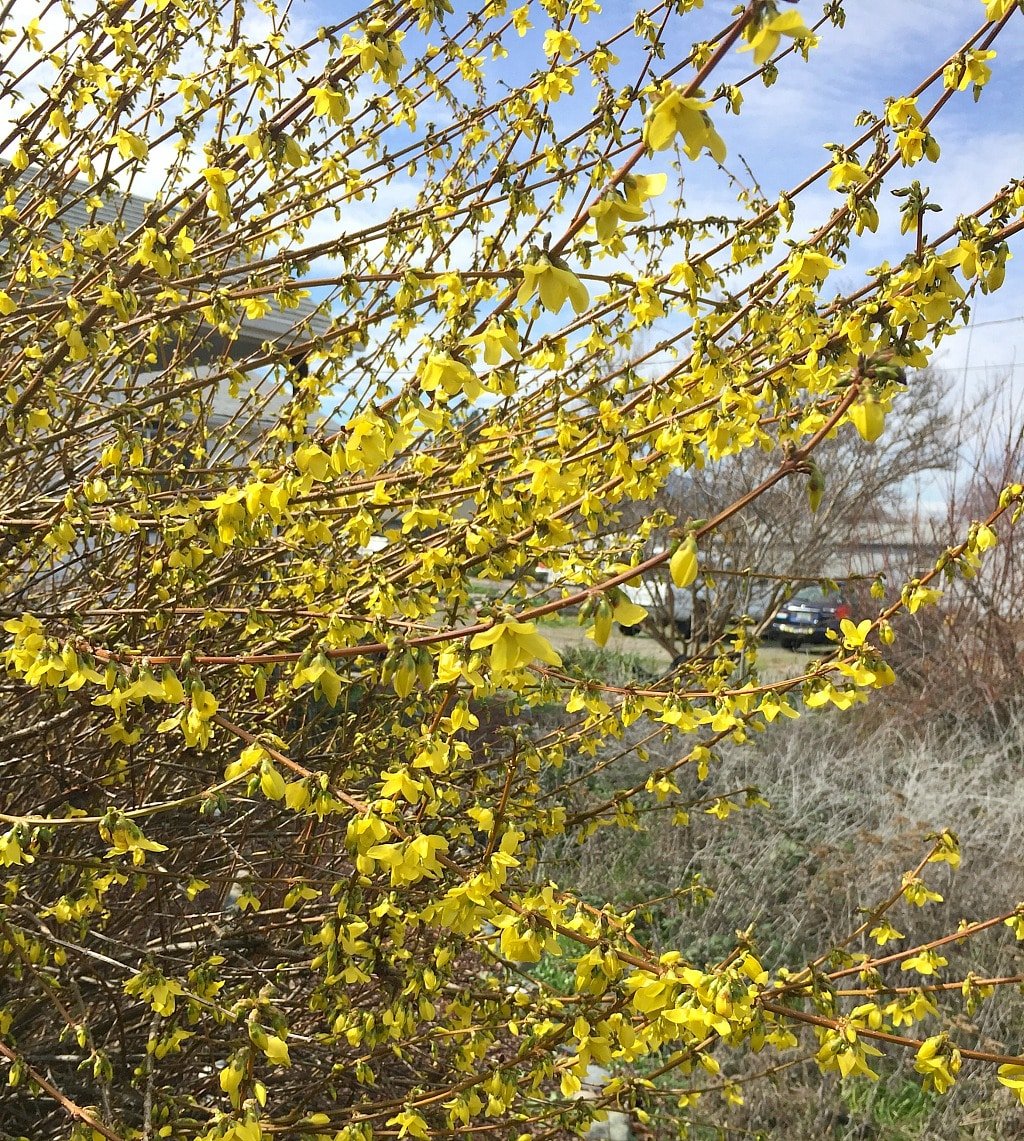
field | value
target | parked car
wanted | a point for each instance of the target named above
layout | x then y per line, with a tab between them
808	616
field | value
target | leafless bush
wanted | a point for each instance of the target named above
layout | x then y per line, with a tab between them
969	654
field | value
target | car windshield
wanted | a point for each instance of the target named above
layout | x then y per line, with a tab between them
815	596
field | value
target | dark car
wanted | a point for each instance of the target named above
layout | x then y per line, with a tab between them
808	616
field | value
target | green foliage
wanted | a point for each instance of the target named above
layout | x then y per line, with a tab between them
896	1108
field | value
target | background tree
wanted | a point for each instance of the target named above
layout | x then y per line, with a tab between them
861	525
282	748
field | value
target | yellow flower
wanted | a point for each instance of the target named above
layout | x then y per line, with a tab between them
868	418
808	267
683	564
276	1050
939	1061
985	537
971	68
996	10
217	198
203	703
628	613
130	146
678	114
846	173
441	370
919	596
764	40
330	103
925	963
271	782
554	284
495	338
854	633
1012	1076
610	212
514	644
884	932
639	187
627	205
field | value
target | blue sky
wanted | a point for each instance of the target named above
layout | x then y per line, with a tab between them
886	48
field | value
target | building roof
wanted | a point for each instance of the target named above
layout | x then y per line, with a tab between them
81	205
129	211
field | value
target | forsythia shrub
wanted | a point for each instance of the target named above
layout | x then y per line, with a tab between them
285	440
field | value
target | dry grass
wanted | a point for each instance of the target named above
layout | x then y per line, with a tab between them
853	799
